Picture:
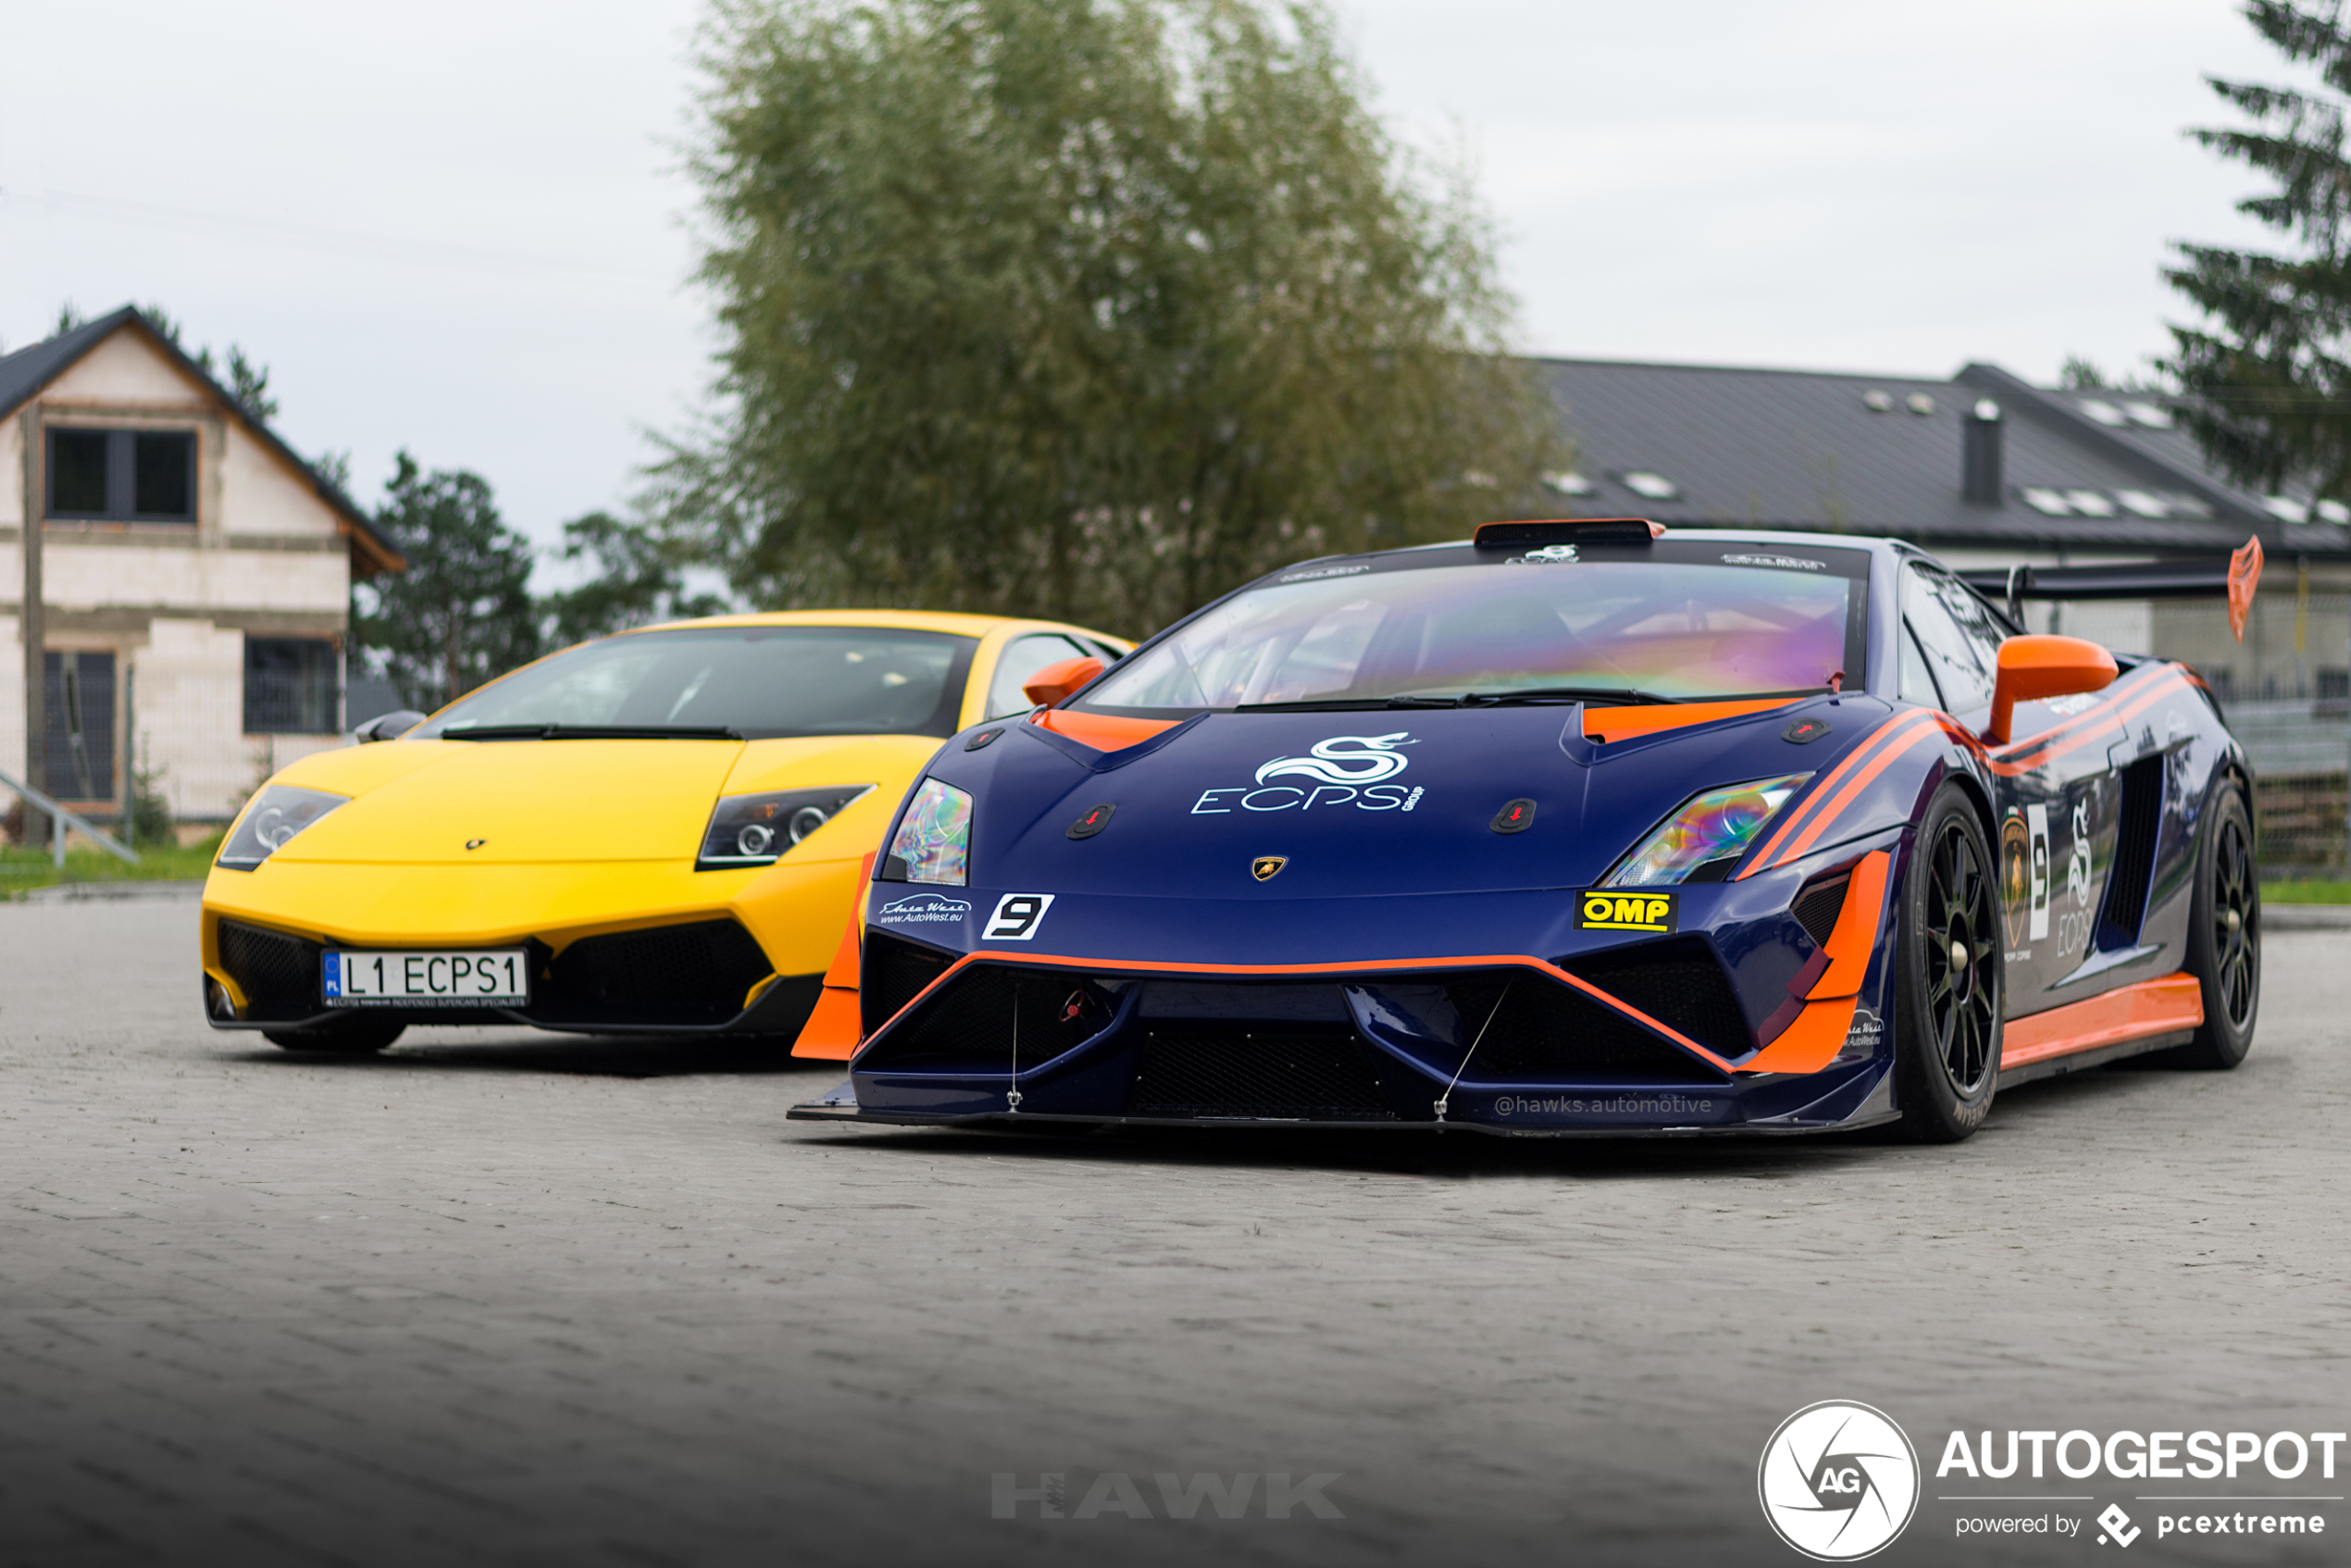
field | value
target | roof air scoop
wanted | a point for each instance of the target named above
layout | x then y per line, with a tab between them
1566	530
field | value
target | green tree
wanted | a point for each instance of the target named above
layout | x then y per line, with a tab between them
638	581
2269	388
461	614
1085	307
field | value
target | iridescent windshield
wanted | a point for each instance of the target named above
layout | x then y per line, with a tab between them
1681	629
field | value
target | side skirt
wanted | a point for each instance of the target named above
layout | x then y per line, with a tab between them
2050	1068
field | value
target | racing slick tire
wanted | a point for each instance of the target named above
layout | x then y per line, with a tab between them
1948	976
361	1035
2224	937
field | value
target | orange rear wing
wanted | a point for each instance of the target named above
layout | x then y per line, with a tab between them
2231	577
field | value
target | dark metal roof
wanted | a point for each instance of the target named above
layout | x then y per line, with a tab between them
24	373
1805	450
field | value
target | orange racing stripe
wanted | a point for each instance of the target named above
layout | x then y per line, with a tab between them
1876	737
1921	725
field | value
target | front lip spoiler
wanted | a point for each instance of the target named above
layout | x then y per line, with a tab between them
749	1021
827	1109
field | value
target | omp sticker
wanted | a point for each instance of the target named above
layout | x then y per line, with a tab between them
1604	911
1016	917
2036	821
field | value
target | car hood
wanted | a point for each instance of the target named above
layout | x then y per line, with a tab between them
538	801
1357	804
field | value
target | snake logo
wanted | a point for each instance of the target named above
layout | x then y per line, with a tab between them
1344	759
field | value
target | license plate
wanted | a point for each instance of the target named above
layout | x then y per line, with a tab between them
500	978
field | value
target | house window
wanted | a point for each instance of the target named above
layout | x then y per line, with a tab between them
291	685
78	762
123	475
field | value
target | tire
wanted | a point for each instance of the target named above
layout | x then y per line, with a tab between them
1948	977
2224	937
361	1035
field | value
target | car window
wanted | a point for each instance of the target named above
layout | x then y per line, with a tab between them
1024	658
1956	634
1917	685
1686	620
761	682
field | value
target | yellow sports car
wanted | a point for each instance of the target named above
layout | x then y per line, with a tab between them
659	830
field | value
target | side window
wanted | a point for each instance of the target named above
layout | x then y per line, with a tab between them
1024	658
1955	636
1917	683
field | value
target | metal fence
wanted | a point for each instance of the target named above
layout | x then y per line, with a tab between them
2301	754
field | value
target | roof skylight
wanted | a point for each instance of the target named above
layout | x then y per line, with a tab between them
1569	482
2089	503
2103	412
2153	416
2334	512
1878	402
2049	501
2287	508
1919	403
1654	487
2146	503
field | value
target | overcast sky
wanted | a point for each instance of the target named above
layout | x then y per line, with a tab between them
459	227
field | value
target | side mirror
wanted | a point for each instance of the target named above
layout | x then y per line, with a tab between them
1055	684
388	727
2035	668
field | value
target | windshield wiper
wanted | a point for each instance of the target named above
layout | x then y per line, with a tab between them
592	732
1621	694
1345	705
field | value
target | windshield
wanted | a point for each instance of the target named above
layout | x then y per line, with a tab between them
1673	622
757	682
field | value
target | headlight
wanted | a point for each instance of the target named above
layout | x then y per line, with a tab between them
934	838
755	829
276	815
1717	825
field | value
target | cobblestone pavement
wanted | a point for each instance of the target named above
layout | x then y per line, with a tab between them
504	1296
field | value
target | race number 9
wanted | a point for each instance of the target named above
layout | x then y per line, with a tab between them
1016	917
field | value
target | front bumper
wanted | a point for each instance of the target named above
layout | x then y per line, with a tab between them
632	947
1508	1046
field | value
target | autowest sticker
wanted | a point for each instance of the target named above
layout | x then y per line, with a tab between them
923	909
1601	910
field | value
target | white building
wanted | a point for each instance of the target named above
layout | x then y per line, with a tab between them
191	578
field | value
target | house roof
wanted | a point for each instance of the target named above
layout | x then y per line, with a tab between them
25	373
2092	469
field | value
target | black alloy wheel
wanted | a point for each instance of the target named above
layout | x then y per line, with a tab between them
2224	936
1948	1050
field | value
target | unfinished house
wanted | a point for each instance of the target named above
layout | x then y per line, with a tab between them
175	582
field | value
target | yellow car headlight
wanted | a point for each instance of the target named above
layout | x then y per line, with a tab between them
757	829
276	815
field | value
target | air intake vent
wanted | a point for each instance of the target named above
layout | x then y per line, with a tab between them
277	972
2126	886
892	973
697	973
1678	983
1817	907
978	1020
1546	1032
1290	1072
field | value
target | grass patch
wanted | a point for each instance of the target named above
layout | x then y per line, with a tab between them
2299	890
23	869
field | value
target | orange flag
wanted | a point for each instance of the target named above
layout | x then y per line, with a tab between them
2245	573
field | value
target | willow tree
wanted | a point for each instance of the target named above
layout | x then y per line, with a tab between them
2268	370
1090	308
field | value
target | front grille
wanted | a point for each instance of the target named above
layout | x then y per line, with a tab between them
1678	983
1290	1072
692	974
892	973
975	1023
1526	1027
1817	907
277	972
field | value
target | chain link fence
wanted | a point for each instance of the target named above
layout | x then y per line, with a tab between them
2301	754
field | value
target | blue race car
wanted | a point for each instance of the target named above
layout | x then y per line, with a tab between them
1580	828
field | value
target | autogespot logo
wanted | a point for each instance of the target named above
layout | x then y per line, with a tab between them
1838	1481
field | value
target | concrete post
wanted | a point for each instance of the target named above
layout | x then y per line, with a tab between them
30	619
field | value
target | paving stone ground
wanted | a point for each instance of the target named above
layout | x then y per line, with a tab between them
507	1298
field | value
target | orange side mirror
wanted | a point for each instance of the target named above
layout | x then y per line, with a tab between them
2035	668
1055	684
